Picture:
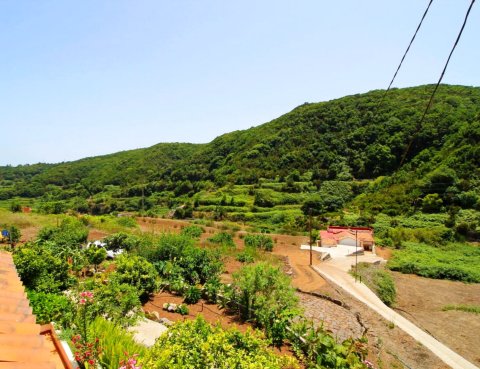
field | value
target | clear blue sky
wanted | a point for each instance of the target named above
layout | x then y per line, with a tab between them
91	77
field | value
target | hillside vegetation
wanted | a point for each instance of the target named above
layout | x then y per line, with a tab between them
342	160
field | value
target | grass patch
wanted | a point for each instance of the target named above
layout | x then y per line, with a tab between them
454	261
378	280
475	309
25	220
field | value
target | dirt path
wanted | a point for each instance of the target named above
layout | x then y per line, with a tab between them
303	276
338	276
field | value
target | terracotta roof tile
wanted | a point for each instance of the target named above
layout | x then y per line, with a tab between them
21	344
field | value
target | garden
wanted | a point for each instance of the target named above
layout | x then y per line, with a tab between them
92	300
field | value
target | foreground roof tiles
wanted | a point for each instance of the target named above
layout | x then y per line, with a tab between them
21	344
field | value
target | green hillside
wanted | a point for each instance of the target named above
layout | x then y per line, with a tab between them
342	158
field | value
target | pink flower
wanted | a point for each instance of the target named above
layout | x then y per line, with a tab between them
85	296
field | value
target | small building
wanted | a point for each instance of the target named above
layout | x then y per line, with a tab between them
347	236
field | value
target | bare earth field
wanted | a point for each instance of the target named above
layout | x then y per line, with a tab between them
421	300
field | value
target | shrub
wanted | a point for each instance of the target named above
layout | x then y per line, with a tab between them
385	287
128	222
191	295
168	246
71	232
222	238
211	289
245	257
214	348
122	240
259	241
319	349
13	233
262	293
15	207
118	302
138	272
192	231
182	309
49	307
40	270
95	255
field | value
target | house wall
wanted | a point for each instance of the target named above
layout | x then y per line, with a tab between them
348	242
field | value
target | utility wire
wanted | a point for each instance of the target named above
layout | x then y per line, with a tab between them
419	125
405	54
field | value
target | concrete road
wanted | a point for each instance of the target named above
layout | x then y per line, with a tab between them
335	271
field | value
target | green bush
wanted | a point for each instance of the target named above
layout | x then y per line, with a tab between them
182	309
70	233
138	272
245	257
211	289
118	302
50	307
259	241
192	295
95	255
120	240
222	238
192	231
40	270
13	233
262	294
196	344
128	222
318	348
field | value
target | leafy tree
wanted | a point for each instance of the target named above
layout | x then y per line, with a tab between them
432	203
95	255
121	240
40	270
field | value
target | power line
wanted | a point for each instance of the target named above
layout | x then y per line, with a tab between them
419	125
405	54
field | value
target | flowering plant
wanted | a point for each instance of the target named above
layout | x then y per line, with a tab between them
130	362
86	352
85	297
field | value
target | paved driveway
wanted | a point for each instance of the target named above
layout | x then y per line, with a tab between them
335	271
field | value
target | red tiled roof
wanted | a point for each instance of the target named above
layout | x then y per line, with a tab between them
336	233
21	344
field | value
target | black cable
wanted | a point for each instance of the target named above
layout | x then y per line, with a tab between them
405	54
419	125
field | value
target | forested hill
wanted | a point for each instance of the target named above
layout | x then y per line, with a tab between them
343	139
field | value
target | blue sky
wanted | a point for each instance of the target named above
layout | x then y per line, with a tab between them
87	78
